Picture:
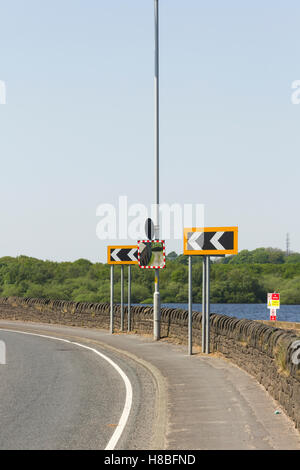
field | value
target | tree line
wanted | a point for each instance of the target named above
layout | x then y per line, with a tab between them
244	278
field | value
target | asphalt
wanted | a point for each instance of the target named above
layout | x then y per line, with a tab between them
58	396
199	402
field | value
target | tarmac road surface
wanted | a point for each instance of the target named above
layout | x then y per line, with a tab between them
56	395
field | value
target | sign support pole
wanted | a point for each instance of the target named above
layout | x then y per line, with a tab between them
111	299
207	313
156	308
122	297
156	296
190	319
207	242
204	304
129	299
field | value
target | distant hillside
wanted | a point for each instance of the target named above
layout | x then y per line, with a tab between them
244	278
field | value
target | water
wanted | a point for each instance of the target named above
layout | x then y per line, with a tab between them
250	311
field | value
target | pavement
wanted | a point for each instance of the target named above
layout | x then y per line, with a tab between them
200	402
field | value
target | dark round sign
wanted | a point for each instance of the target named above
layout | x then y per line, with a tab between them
149	229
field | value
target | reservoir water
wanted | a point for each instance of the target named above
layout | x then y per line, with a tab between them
251	311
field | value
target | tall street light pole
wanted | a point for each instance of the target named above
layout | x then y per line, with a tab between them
156	297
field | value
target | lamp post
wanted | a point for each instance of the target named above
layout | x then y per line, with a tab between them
156	297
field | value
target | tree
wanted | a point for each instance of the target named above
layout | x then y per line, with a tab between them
172	256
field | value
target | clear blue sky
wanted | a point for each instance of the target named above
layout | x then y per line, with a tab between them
78	123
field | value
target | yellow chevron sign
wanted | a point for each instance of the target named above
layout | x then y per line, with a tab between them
127	254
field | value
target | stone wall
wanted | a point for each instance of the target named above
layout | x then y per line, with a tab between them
270	354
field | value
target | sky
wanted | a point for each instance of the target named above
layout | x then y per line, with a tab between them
77	129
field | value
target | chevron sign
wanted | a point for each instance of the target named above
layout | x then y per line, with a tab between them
122	254
210	241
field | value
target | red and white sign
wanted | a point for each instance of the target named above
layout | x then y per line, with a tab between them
274	300
273	314
275	296
152	254
273	304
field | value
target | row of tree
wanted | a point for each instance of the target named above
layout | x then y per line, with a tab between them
244	278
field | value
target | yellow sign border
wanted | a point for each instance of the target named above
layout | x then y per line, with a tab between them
120	247
211	252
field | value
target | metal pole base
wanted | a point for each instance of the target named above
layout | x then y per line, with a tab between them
204	305
156	316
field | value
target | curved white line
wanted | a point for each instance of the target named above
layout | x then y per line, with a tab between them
128	400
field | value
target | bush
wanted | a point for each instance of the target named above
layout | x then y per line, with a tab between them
244	278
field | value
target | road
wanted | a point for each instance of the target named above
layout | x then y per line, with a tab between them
57	395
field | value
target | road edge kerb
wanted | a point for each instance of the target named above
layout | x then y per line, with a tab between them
161	403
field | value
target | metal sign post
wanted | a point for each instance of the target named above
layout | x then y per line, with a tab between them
111	299
122	297
152	255
204	305
120	255
206	241
129	300
207	310
273	304
190	326
156	308
156	295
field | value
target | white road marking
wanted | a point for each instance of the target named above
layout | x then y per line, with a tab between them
128	400
2	352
